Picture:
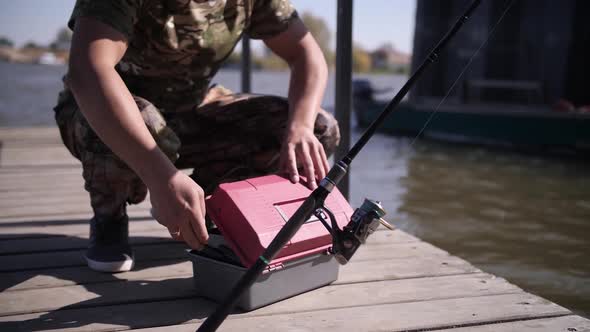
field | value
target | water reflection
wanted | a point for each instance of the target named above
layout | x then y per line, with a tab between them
521	217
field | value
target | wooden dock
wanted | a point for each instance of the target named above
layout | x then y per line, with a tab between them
396	283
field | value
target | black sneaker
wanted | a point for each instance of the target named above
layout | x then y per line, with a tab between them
109	249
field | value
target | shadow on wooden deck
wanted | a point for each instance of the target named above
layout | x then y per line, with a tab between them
26	271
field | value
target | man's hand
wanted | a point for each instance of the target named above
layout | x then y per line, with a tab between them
301	147
309	75
179	204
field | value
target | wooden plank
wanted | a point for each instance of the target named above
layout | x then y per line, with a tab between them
50	200
362	271
383	317
61	228
63	194
43	245
31	190
65	170
46	197
38	192
16	281
382	252
33	143
43	219
58	205
25	200
131	211
55	215
8	214
330	297
46	171
142	232
569	323
32	193
50	211
385	236
50	156
26	197
40	181
100	294
45	175
62	185
42	170
63	258
81	203
25	174
39	174
393	291
15	263
159	234
23	133
154	266
397	317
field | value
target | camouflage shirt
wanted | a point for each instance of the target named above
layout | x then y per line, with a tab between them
175	47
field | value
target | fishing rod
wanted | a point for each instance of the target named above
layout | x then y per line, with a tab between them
364	220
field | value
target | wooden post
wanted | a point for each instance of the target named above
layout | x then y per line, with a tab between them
246	65
343	103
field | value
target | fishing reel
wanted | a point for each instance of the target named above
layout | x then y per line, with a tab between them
364	222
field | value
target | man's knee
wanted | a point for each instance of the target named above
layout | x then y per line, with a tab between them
108	179
110	183
327	131
165	138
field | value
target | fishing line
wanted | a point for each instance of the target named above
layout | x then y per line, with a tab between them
490	34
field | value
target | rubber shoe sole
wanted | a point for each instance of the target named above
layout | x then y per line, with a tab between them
117	266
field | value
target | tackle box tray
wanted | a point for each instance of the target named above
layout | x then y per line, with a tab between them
217	269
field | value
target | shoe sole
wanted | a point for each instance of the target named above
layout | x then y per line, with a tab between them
121	266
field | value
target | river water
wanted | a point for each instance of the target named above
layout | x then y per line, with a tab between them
525	218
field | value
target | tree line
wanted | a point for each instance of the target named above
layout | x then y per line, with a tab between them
61	41
362	60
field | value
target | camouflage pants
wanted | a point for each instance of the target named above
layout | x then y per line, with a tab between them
228	137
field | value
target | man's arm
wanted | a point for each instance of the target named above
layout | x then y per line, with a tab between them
110	109
309	74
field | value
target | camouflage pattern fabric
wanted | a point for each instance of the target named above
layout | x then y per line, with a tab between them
175	47
227	138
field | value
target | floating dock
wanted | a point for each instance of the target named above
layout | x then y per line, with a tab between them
395	283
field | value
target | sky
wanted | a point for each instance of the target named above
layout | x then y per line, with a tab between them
375	22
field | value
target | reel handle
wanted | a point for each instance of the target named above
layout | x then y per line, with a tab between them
364	222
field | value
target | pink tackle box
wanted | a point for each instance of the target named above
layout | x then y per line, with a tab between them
249	214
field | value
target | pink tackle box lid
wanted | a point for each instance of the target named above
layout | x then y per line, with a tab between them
250	213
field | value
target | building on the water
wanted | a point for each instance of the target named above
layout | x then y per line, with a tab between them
526	87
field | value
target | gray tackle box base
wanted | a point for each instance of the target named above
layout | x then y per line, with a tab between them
215	276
